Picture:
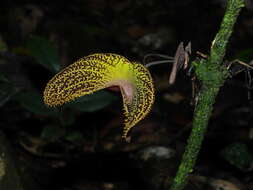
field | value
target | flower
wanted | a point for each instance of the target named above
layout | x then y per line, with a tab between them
103	70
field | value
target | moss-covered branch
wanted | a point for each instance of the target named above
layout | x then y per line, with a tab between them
212	75
220	41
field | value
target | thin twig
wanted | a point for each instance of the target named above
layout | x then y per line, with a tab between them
158	62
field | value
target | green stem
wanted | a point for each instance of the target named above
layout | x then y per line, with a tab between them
200	123
212	75
220	41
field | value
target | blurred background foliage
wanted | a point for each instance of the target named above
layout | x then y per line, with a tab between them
80	141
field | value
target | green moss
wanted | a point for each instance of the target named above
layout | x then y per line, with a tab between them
212	75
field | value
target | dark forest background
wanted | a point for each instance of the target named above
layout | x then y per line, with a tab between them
78	146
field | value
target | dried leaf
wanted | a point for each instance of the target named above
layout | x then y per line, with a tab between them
99	71
181	59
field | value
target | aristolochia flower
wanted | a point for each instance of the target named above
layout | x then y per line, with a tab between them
99	71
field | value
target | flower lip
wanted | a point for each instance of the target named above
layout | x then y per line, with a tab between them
103	71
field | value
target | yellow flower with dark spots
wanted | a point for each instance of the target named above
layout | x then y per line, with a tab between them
99	71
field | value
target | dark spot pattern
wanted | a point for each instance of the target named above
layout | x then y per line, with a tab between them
98	71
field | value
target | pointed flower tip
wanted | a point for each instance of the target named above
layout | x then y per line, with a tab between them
98	71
